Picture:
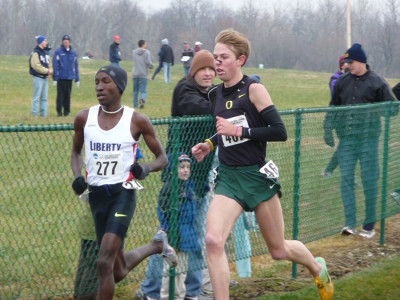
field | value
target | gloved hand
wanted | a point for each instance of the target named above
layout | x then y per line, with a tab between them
139	171
54	82
328	138
77	84
79	185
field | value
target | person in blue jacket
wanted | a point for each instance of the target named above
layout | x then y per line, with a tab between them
186	211
65	65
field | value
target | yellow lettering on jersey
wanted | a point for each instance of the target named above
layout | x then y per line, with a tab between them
228	104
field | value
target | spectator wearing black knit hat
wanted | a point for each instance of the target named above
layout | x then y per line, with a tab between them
65	63
358	133
109	134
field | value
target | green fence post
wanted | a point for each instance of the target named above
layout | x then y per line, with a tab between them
384	172
296	186
173	231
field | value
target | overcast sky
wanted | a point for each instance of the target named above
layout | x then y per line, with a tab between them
234	4
150	5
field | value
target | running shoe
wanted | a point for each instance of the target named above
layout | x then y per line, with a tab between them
141	103
168	253
323	281
367	233
326	174
142	296
348	231
396	195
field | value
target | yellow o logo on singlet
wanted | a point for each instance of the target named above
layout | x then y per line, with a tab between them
228	104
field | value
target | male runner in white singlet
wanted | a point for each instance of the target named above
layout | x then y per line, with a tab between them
110	133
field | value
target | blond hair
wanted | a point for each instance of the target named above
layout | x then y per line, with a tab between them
239	42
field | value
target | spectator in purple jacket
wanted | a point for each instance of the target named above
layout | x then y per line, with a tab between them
327	172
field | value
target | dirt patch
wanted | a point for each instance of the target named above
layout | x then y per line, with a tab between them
343	254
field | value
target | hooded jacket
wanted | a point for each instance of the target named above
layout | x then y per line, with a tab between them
141	62
166	54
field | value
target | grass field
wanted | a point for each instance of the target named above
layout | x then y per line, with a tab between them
289	90
42	233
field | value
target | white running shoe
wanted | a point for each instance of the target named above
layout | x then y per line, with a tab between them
348	231
168	252
367	233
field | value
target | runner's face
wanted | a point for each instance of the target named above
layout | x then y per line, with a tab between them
227	65
106	89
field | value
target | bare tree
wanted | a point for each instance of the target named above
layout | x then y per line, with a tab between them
300	35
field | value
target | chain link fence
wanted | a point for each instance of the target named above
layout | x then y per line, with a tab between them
44	226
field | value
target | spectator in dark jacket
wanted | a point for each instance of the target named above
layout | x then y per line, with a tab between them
115	54
396	90
186	58
358	133
167	59
65	65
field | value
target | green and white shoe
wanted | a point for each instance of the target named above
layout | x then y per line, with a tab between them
323	281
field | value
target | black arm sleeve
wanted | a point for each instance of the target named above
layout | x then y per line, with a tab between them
275	130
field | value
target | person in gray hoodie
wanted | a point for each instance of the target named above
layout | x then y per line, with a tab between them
141	63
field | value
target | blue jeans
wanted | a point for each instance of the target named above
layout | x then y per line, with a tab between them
151	285
115	64
167	71
350	150
139	86
186	71
39	98
333	163
160	65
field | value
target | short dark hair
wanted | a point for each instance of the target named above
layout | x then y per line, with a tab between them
141	43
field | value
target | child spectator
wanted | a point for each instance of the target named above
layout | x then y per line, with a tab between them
186	209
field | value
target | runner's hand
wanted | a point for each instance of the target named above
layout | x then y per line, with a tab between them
139	171
79	185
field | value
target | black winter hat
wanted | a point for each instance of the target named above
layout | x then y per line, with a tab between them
66	37
117	74
355	52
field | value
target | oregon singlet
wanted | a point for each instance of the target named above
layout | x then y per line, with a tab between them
237	108
109	153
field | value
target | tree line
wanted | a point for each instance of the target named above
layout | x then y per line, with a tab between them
300	36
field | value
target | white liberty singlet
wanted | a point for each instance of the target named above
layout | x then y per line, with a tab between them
109	153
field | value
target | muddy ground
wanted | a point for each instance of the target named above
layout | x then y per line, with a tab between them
343	254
